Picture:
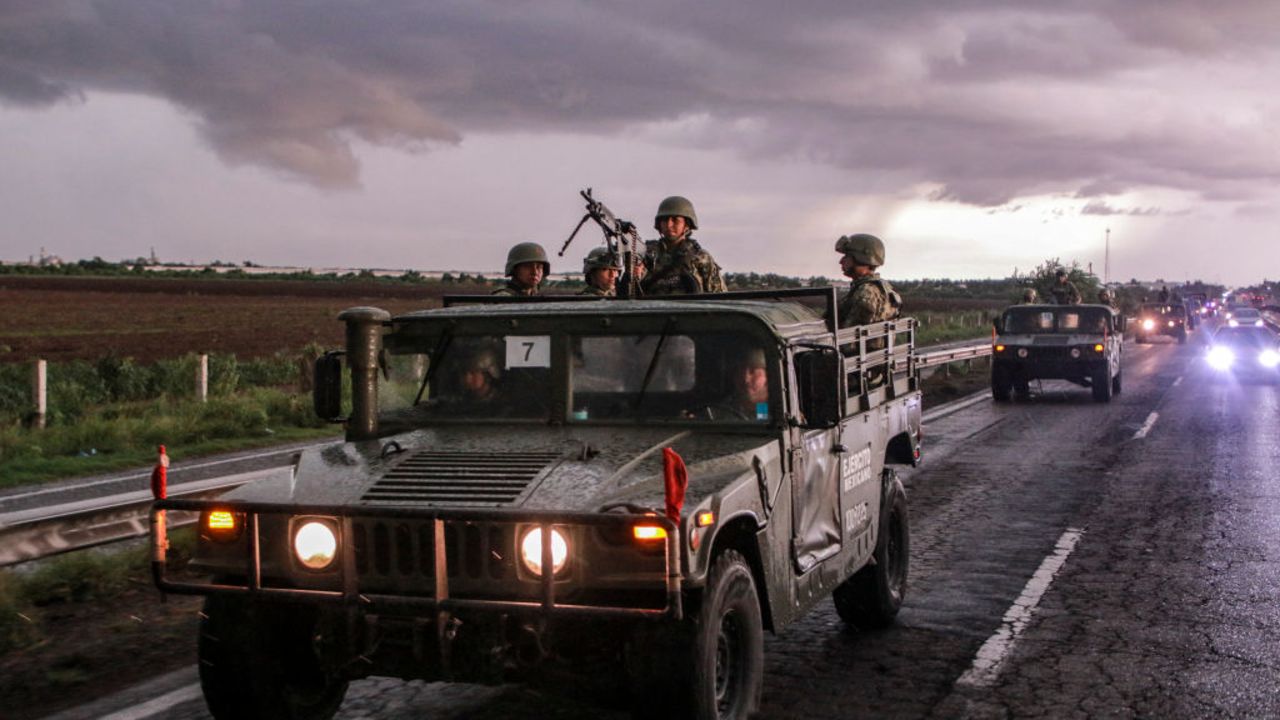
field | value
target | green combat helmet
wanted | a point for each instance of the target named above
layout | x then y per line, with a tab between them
527	252
600	258
676	206
863	248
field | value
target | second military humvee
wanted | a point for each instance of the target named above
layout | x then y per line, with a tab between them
634	489
1079	343
1168	318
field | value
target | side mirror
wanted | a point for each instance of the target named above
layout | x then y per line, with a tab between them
326	390
818	377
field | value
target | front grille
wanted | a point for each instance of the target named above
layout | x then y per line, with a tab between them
400	555
459	478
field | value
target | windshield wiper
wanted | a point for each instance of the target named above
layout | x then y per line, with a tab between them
653	364
437	354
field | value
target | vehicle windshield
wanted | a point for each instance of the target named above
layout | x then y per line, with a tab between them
1163	309
1254	337
1066	319
659	375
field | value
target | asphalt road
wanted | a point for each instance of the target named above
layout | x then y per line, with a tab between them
1068	559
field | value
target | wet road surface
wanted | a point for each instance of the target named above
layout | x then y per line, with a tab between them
1068	559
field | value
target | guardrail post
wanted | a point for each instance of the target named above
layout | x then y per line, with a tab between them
202	378
39	384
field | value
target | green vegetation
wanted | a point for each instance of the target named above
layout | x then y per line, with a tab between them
85	576
112	414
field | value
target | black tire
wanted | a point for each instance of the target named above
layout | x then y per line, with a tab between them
1001	383
1115	384
1102	385
1022	390
873	596
258	662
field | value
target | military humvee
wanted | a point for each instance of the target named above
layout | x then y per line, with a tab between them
1079	343
506	504
1169	318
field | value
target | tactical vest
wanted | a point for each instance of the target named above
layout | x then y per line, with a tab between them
895	299
677	275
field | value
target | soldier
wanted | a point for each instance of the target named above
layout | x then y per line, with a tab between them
1106	298
1064	291
870	298
1029	297
676	264
527	265
601	269
749	399
1164	293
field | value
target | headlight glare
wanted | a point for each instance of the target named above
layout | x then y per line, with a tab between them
1220	358
531	550
315	544
1269	358
1148	324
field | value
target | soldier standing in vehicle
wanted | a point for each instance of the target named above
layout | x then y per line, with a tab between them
601	269
870	298
676	264
527	266
1064	291
1030	297
1106	298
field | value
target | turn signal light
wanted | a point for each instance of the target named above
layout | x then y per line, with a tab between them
999	348
1098	348
649	532
706	518
222	525
221	520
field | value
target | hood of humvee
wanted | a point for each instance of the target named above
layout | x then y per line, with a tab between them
570	469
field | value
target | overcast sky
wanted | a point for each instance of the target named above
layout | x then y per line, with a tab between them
974	137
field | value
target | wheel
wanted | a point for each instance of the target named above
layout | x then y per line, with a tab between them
1115	384
258	662
1102	385
1001	383
873	596
1022	390
710	666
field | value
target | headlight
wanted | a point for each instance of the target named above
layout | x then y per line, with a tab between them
315	544
1022	352
1220	358
1233	323
1170	323
1269	358
531	551
1148	324
1075	352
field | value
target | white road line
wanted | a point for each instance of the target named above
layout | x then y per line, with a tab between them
993	653
1146	426
147	474
1177	382
157	705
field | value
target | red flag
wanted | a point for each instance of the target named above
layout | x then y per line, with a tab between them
676	479
160	476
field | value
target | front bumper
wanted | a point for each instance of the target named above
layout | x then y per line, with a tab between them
430	583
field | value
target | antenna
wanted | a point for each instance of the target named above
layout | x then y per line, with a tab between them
1106	262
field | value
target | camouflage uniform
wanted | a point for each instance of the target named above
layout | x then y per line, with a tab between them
685	269
512	289
597	292
1065	293
870	299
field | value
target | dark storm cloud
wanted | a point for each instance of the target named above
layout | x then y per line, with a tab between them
903	92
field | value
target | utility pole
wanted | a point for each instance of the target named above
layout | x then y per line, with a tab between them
1106	261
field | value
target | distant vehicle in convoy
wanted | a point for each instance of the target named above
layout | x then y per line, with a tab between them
630	490
1245	317
1155	319
1250	351
1078	343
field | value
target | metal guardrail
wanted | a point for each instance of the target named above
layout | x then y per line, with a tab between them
41	532
936	355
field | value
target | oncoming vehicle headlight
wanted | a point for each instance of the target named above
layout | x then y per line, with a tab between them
1171	323
1269	358
1220	358
531	550
315	544
1148	324
1233	323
